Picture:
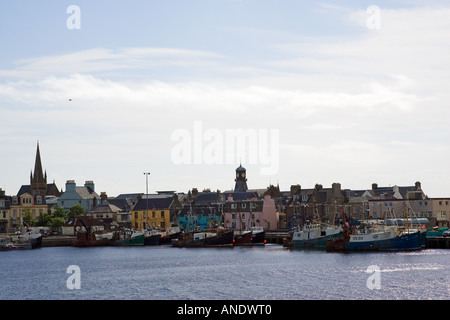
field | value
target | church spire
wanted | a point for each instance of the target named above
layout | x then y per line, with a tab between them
38	183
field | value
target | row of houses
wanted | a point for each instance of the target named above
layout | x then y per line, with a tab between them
239	208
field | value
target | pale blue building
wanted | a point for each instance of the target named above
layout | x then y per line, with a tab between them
82	195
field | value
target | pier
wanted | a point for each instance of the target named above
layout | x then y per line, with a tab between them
276	236
438	242
57	241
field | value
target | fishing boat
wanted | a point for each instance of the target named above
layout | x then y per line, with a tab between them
258	235
94	239
29	239
153	237
169	234
219	237
377	239
129	237
242	238
314	236
6	245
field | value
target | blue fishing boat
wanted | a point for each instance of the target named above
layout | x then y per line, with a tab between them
314	235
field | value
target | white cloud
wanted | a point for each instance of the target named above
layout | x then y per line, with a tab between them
367	106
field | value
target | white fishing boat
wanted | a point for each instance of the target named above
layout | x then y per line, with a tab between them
314	235
29	239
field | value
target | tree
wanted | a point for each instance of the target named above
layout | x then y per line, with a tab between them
59	212
76	210
44	220
28	218
56	223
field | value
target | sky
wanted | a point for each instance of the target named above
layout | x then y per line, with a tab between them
353	92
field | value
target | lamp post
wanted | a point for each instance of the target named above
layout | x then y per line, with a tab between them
146	192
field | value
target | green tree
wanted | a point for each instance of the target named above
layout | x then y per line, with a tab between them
44	220
27	218
59	212
56	222
76	210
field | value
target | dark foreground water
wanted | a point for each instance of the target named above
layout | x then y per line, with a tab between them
267	273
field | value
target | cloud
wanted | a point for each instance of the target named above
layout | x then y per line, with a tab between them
103	60
369	106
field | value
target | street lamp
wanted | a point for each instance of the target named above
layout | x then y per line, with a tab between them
146	191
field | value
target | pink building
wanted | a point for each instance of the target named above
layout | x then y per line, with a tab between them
243	211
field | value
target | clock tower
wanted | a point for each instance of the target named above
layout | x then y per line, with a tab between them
241	180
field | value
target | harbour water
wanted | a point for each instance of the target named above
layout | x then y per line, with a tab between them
268	272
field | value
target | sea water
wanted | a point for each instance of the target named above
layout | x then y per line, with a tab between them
270	272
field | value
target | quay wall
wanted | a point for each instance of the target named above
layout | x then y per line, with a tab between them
438	243
57	241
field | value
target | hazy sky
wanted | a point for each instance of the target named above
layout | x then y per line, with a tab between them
355	92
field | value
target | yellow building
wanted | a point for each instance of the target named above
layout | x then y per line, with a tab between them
151	214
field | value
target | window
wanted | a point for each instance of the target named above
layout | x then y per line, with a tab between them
233	206
162	214
244	205
135	215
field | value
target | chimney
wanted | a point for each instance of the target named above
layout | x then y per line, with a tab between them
374	186
418	186
295	189
336	189
89	184
70	186
103	196
318	187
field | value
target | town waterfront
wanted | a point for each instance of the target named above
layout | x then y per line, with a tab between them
268	272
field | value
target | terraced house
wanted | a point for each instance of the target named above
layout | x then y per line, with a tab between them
154	212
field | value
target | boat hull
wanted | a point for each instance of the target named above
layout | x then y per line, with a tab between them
408	241
314	243
153	240
133	241
376	242
243	239
314	237
259	237
221	239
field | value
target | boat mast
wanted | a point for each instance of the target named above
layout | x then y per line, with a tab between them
405	210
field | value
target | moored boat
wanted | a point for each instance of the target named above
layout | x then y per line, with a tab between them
314	236
219	237
242	238
376	239
169	234
85	239
258	235
6	244
29	239
129	237
153	237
